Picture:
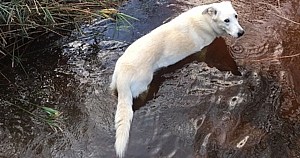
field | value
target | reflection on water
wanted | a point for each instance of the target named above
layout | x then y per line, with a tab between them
236	98
277	54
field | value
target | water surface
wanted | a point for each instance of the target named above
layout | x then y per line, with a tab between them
237	98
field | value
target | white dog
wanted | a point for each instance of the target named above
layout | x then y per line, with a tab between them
165	45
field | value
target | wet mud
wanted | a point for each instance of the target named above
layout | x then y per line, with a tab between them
236	98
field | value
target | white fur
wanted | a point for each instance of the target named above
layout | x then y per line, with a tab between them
165	45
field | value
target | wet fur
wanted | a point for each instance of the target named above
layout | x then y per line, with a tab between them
164	46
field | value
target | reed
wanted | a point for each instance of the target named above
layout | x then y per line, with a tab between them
22	22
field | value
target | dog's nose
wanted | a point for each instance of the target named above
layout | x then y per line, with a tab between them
241	33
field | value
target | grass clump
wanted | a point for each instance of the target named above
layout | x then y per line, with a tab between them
48	115
23	22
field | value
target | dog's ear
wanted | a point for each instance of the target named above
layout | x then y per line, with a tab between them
210	11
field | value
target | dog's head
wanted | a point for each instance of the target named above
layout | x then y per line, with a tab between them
224	18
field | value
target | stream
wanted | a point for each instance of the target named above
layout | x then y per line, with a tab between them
236	98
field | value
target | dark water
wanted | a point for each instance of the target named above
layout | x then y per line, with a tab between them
237	98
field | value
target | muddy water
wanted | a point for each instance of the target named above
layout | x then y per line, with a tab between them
237	98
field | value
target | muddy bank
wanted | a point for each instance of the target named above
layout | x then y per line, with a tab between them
237	98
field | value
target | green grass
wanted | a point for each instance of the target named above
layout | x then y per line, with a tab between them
122	20
50	116
23	22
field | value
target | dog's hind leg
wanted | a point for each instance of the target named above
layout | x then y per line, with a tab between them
141	81
113	84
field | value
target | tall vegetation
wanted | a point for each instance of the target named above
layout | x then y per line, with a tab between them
24	21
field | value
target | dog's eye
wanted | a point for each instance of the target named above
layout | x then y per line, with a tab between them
236	16
227	20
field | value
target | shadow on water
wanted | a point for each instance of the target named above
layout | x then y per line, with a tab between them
236	98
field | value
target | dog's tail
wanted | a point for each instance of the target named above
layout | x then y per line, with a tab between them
123	117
